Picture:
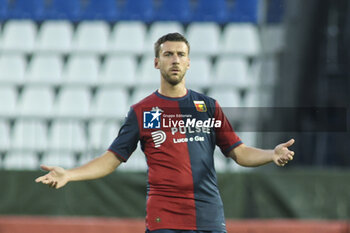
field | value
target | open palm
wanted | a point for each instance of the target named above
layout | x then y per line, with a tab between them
56	178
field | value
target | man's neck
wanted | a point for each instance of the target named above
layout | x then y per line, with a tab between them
172	91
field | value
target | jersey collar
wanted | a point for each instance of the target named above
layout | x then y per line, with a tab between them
173	98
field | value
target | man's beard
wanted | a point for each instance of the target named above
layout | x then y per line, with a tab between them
172	81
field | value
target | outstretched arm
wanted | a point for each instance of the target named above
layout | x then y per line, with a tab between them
99	167
253	157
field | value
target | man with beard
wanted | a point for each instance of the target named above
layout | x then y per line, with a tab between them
178	129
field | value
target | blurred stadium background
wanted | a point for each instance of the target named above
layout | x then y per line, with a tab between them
70	69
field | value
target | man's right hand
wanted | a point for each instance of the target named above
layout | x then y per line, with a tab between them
56	178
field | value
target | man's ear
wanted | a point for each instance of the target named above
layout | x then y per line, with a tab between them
189	63
156	63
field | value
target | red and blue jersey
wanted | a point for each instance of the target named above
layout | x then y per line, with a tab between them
178	137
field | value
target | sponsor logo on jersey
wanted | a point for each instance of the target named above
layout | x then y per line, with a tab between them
152	119
178	123
158	137
210	123
200	105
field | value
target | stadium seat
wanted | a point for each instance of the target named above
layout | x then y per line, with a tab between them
226	97
106	10
141	93
275	11
273	33
89	155
170	10
91	37
81	69
136	162
55	37
67	136
8	101
251	99
209	11
147	74
198	76
258	98
240	39
268	72
157	30
3	10
231	166
80	107
65	159
243	11
102	133
12	68
44	70
231	71
14	33
21	161
127	37
25	9
67	10
36	102
4	136
110	103
204	38
221	162
29	135
120	70
141	10
249	138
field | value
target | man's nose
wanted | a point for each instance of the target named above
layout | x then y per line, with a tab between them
176	59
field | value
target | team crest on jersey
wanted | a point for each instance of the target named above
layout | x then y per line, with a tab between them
200	105
152	119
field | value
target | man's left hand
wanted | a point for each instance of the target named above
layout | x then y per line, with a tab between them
282	155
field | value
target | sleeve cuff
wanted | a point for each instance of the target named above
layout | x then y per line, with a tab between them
227	150
118	155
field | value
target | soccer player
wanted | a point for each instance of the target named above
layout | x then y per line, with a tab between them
178	129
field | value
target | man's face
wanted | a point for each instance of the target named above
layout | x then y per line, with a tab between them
173	61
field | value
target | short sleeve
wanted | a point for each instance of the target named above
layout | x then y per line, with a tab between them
226	138
126	141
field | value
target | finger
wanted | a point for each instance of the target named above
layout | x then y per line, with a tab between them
43	178
46	182
46	168
39	179
289	155
59	185
280	161
284	163
289	143
283	158
53	184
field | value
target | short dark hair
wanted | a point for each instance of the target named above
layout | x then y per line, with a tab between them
169	37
